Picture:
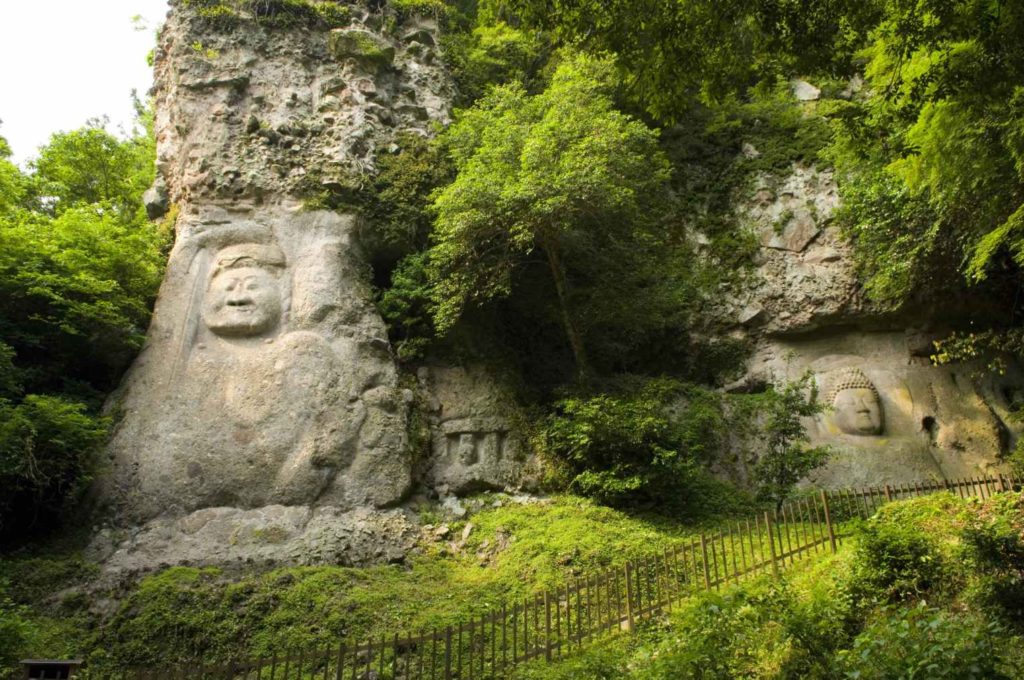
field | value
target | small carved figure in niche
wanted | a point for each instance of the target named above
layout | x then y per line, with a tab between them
857	406
472	447
467	448
244	297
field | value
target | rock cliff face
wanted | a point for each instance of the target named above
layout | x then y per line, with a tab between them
266	421
892	416
266	403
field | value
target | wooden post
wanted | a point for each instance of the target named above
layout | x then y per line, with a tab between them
828	520
704	552
547	626
771	544
341	662
472	640
888	494
714	562
1002	483
629	596
448	653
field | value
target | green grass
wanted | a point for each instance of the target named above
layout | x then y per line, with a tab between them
511	551
934	549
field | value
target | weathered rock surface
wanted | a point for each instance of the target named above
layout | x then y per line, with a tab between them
257	113
804	277
265	408
475	423
266	537
891	416
899	418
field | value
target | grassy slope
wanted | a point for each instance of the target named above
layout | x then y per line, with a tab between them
511	551
964	558
929	588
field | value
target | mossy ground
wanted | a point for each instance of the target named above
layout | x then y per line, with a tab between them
945	571
909	594
511	550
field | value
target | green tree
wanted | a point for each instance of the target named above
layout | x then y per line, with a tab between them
79	269
672	54
784	457
90	166
933	155
561	175
46	447
641	443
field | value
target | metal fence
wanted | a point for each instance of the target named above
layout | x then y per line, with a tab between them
556	622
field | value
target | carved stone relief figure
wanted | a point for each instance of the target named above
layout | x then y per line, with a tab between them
891	418
857	407
273	428
263	383
475	444
244	297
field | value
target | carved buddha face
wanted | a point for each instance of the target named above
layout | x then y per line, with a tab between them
242	301
858	411
856	407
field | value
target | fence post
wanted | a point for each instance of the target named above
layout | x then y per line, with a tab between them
888	494
704	553
771	545
629	596
828	519
448	653
547	626
1002	484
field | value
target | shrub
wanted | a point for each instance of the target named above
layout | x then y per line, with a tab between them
992	543
15	631
46	444
922	642
786	458
629	446
902	552
737	634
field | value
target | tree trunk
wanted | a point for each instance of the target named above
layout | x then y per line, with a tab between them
572	332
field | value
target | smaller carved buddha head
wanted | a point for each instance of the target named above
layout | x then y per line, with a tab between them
857	406
243	297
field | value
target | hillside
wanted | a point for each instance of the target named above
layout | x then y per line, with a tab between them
390	313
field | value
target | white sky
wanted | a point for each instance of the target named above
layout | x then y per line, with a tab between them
65	61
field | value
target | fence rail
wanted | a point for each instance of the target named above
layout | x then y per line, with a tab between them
551	624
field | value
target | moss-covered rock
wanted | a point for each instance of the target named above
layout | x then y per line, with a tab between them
367	49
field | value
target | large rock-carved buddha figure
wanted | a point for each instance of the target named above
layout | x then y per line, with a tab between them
856	405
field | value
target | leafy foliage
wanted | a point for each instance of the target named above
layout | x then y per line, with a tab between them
931	154
784	457
493	53
563	176
700	50
897	561
45	447
408	307
90	166
78	275
923	642
644	444
277	13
